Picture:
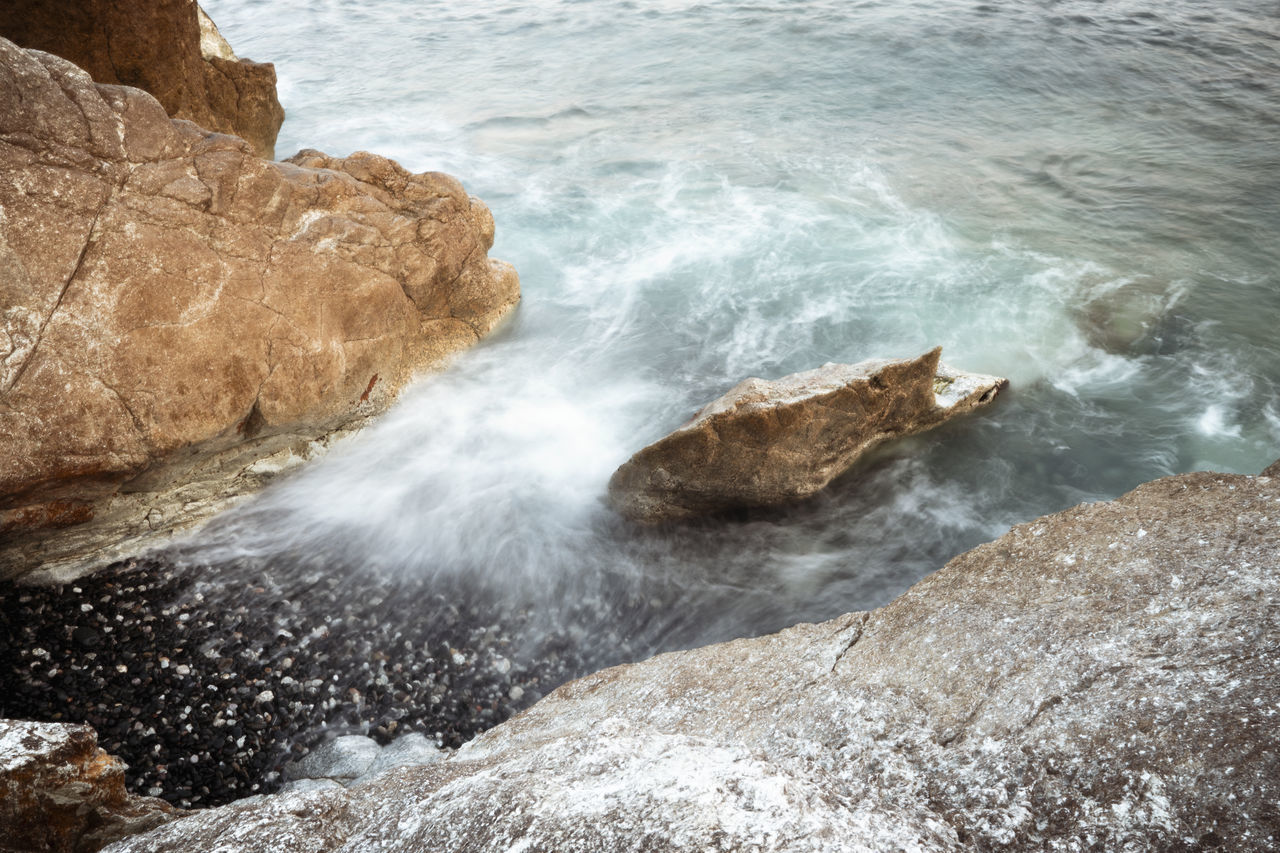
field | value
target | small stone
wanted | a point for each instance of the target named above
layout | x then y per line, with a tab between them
346	757
408	750
86	636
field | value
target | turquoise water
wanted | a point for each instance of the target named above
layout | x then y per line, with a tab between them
1081	196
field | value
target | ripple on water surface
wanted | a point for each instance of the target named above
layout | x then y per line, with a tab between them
1082	198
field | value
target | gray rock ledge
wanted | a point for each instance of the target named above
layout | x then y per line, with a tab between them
1106	678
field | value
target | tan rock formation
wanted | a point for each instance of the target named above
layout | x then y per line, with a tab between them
169	48
175	308
766	443
1105	678
60	793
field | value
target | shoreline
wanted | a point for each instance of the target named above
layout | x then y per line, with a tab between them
208	697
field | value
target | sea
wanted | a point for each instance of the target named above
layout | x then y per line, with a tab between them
1080	195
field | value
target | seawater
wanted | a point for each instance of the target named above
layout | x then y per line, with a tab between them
1083	196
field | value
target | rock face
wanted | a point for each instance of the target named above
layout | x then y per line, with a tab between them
60	793
767	443
176	310
170	48
1101	679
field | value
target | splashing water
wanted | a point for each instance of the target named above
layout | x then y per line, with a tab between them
1083	197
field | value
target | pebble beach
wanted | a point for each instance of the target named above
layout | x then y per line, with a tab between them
209	692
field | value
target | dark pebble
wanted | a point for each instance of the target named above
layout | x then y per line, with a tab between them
383	652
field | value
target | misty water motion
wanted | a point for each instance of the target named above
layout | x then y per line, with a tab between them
1081	196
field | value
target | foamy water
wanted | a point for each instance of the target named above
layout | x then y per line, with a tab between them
1083	197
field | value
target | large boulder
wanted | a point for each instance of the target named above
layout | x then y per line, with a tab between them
1106	678
180	318
169	48
765	443
60	793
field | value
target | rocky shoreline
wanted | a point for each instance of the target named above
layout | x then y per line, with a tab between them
1104	678
208	692
183	320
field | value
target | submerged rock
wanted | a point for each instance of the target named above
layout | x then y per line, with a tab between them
170	49
765	443
181	319
60	793
1132	317
1105	678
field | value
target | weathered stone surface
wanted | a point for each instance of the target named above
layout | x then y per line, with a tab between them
181	319
766	443
346	757
404	751
60	792
169	48
1106	678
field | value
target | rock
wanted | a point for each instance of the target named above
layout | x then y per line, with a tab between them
405	751
181	320
60	792
345	758
1105	678
765	443
303	786
169	48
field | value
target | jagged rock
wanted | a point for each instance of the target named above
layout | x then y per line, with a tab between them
765	443
169	48
1105	678
60	793
181	319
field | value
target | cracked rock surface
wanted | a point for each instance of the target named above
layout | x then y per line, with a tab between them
169	48
1105	678
770	442
176	309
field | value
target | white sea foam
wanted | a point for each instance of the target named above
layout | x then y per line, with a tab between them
695	193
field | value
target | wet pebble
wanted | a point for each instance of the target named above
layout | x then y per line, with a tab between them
209	687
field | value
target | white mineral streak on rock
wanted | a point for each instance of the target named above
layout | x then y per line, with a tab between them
1009	701
302	786
212	44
